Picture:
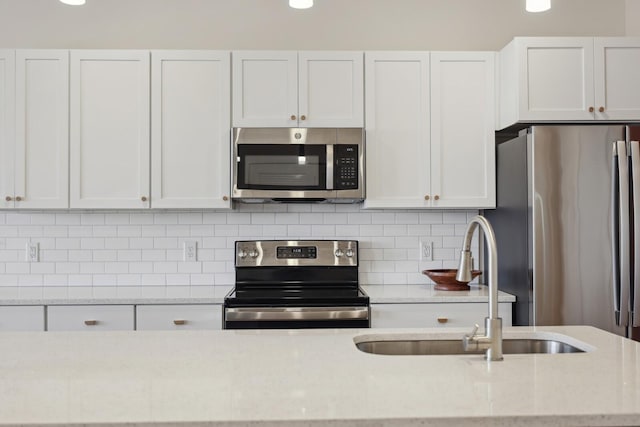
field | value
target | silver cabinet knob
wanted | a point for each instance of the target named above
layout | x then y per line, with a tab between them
18	199
349	253
339	253
242	254
8	198
253	253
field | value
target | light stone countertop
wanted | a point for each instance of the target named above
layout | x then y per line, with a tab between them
379	294
310	378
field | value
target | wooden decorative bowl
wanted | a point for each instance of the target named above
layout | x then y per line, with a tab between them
445	280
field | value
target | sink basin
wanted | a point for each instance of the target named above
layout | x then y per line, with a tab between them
452	347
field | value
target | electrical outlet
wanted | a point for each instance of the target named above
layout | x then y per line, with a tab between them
426	250
32	253
190	250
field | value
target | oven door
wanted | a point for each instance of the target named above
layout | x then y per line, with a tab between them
289	317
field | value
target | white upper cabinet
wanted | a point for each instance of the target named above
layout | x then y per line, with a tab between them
568	79
110	127
429	121
191	103
306	89
462	129
330	89
398	154
35	129
7	126
617	78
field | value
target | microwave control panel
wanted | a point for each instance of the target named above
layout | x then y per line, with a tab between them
345	171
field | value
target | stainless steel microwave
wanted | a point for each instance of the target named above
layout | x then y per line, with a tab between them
298	165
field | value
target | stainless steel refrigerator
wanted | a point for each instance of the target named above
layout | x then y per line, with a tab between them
568	225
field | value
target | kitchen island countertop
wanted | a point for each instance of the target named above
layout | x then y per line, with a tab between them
309	378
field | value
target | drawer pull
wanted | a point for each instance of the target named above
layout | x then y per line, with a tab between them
90	322
443	319
179	322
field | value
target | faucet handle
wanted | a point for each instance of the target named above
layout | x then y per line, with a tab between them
473	332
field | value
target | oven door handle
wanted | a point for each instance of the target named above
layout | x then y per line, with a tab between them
252	314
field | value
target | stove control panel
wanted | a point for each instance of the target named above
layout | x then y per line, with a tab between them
265	253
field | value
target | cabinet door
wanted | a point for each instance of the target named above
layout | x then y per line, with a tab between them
7	126
462	129
90	318
22	318
617	86
178	317
42	129
397	117
330	89
435	315
556	78
265	89
191	129
110	129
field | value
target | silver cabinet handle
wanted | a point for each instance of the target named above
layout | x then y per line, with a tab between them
91	322
179	322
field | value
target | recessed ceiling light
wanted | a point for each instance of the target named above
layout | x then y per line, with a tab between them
538	5
74	2
301	4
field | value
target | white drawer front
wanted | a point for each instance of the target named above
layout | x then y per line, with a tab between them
178	317
436	315
22	318
90	318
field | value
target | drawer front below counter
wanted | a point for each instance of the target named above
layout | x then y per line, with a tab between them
178	317
90	318
22	318
448	315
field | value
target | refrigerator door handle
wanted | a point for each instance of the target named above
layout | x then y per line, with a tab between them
635	189
624	231
615	233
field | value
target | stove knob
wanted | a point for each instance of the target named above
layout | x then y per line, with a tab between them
349	253
253	253
242	254
339	253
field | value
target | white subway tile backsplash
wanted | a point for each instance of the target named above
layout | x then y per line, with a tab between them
141	253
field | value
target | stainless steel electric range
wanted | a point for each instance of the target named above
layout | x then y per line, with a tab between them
296	284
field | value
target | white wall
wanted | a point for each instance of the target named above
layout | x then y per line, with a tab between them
632	22
271	24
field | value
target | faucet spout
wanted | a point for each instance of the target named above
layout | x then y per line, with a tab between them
492	338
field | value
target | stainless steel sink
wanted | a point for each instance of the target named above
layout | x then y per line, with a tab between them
452	347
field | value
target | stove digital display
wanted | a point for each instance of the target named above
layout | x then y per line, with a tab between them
296	252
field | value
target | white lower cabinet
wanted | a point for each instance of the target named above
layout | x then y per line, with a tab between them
22	318
435	315
178	317
90	318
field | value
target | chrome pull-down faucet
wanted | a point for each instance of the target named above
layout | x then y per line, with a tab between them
492	338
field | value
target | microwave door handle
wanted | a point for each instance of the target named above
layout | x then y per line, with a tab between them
624	230
635	188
